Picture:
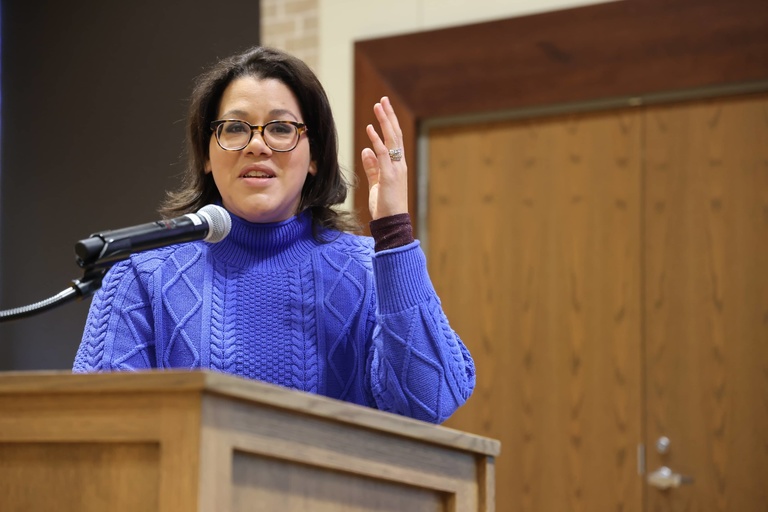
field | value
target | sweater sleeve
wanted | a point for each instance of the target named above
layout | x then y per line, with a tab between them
419	366
118	333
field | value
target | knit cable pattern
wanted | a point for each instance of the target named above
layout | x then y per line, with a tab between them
181	301
343	301
90	355
223	352
304	333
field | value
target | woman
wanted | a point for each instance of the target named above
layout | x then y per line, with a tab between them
289	296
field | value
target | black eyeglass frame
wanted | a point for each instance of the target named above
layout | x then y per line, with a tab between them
300	128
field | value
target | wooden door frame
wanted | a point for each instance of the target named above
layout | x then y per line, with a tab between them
624	50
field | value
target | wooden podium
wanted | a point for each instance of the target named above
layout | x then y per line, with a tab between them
203	441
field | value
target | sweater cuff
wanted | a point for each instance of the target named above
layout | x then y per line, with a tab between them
391	232
401	277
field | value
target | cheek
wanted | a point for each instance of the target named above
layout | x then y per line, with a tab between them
211	153
305	163
219	159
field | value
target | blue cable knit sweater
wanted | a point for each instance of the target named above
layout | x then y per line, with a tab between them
271	303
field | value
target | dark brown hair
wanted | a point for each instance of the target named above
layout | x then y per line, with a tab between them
321	191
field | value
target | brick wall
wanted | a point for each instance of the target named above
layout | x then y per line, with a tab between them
291	25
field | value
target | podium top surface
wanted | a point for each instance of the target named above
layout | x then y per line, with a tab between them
206	382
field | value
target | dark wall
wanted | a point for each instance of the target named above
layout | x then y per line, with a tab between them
94	98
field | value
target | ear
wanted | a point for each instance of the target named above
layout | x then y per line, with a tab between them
208	166
312	168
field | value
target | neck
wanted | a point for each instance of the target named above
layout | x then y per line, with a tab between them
272	246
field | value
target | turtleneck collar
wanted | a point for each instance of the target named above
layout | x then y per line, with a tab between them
271	246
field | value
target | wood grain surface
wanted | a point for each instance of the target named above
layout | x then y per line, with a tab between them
534	249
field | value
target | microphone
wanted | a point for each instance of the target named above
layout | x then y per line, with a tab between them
211	223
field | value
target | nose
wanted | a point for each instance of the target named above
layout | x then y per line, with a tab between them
257	145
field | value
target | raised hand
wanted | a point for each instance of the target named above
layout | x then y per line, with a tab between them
385	165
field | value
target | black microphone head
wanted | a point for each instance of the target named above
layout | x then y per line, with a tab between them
219	222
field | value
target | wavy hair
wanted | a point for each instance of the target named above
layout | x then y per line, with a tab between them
321	192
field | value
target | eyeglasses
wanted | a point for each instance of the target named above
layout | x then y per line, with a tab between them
234	135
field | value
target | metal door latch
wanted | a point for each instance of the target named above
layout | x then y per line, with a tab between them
664	478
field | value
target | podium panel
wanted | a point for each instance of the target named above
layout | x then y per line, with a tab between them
79	476
169	441
274	484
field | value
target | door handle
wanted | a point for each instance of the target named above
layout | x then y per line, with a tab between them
664	478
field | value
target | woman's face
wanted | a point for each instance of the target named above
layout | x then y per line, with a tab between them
257	183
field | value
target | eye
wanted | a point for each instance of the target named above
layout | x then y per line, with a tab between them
281	129
236	127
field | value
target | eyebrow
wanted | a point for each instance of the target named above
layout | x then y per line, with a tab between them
274	113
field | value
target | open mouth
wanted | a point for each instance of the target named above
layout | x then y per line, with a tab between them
258	175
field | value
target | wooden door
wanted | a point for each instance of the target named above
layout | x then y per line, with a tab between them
607	273
534	232
706	302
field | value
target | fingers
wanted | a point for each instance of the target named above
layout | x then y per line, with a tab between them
387	174
392	137
390	127
379	147
392	118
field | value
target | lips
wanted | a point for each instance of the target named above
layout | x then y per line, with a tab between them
257	171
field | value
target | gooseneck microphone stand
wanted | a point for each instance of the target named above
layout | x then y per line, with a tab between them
90	256
80	289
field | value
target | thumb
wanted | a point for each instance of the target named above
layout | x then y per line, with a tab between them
371	167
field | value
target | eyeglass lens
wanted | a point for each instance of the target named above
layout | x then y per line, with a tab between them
278	135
